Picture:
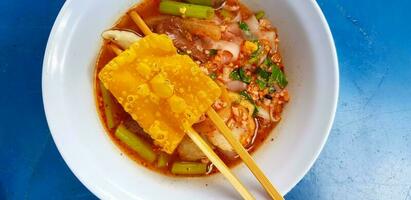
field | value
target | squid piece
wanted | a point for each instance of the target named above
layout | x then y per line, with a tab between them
189	151
231	47
122	38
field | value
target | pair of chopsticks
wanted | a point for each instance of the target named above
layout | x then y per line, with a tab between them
219	123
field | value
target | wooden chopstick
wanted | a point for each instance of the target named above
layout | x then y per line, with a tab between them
216	119
115	48
199	141
140	23
244	155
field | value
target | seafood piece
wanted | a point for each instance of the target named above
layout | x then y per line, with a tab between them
122	38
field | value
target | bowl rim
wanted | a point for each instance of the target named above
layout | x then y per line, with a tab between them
47	61
336	90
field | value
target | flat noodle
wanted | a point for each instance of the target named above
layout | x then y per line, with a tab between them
163	91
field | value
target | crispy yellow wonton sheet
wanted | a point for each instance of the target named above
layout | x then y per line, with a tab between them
162	90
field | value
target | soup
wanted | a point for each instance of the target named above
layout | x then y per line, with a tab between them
234	46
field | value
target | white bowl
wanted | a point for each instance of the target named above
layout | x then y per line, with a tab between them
311	67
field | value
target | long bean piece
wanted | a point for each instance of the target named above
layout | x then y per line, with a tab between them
201	2
188	168
186	10
163	159
137	144
108	106
212	3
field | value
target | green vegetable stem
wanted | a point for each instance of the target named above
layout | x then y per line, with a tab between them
188	168
186	10
141	147
108	106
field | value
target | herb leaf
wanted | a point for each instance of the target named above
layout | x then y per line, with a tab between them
278	76
263	77
263	74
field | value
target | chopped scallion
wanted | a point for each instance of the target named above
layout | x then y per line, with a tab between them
255	56
271	90
213	76
243	26
255	112
259	14
234	75
247	96
246	30
213	52
240	75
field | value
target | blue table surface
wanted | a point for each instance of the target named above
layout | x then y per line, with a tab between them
368	153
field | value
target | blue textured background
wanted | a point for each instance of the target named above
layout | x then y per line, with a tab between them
367	156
